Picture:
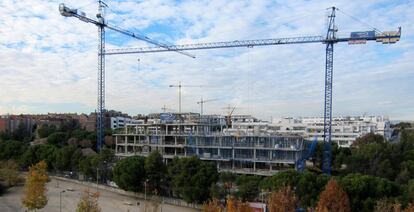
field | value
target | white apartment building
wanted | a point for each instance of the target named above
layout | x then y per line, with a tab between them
345	130
119	122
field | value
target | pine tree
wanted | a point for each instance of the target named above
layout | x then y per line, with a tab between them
284	200
333	198
35	187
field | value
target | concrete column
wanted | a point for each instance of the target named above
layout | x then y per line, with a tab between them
116	145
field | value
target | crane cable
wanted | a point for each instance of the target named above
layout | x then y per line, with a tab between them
358	20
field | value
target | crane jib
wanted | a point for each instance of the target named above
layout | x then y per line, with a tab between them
246	43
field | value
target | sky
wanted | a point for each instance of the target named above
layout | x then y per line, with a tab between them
48	63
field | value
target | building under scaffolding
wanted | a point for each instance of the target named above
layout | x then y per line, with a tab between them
208	138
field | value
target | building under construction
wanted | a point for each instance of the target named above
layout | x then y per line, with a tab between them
208	138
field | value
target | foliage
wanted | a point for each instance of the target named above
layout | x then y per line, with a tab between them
45	130
88	202
386	205
308	188
69	125
129	173
22	133
283	200
248	187
281	179
35	187
363	190
153	204
191	178
212	206
11	149
333	198
63	160
235	205
57	138
9	172
37	153
155	170
370	138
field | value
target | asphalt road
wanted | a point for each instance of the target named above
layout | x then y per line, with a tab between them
108	201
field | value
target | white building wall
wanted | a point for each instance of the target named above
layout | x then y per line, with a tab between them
345	130
119	122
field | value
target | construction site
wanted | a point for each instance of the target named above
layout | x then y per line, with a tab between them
212	138
208	138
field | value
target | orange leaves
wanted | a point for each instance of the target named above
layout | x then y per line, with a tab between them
212	206
35	187
89	202
283	200
333	198
235	205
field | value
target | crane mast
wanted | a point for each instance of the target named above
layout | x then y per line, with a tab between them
101	76
327	118
101	24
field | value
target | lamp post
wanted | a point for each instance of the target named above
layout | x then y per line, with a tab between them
97	171
145	189
60	200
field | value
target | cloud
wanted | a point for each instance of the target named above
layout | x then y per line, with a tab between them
47	58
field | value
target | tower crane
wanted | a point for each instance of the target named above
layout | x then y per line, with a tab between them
179	86
102	24
329	40
230	110
201	103
165	109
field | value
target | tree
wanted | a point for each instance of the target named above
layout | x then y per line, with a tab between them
11	149
248	187
34	154
35	187
387	205
64	158
283	200
9	172
45	130
333	198
129	173
364	190
22	133
191	178
281	179
155	170
227	179
57	138
235	205
308	188
88	202
212	206
370	138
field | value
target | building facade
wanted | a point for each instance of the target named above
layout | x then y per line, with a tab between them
206	137
345	130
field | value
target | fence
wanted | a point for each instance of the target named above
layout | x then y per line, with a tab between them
166	200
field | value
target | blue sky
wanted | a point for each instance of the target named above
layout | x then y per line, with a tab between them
48	62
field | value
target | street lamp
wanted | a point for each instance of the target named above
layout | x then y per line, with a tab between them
60	200
145	189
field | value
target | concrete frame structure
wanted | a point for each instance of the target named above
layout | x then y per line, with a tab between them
260	154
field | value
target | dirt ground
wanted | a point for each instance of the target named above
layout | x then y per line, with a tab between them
108	201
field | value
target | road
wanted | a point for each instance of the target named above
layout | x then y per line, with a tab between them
108	201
